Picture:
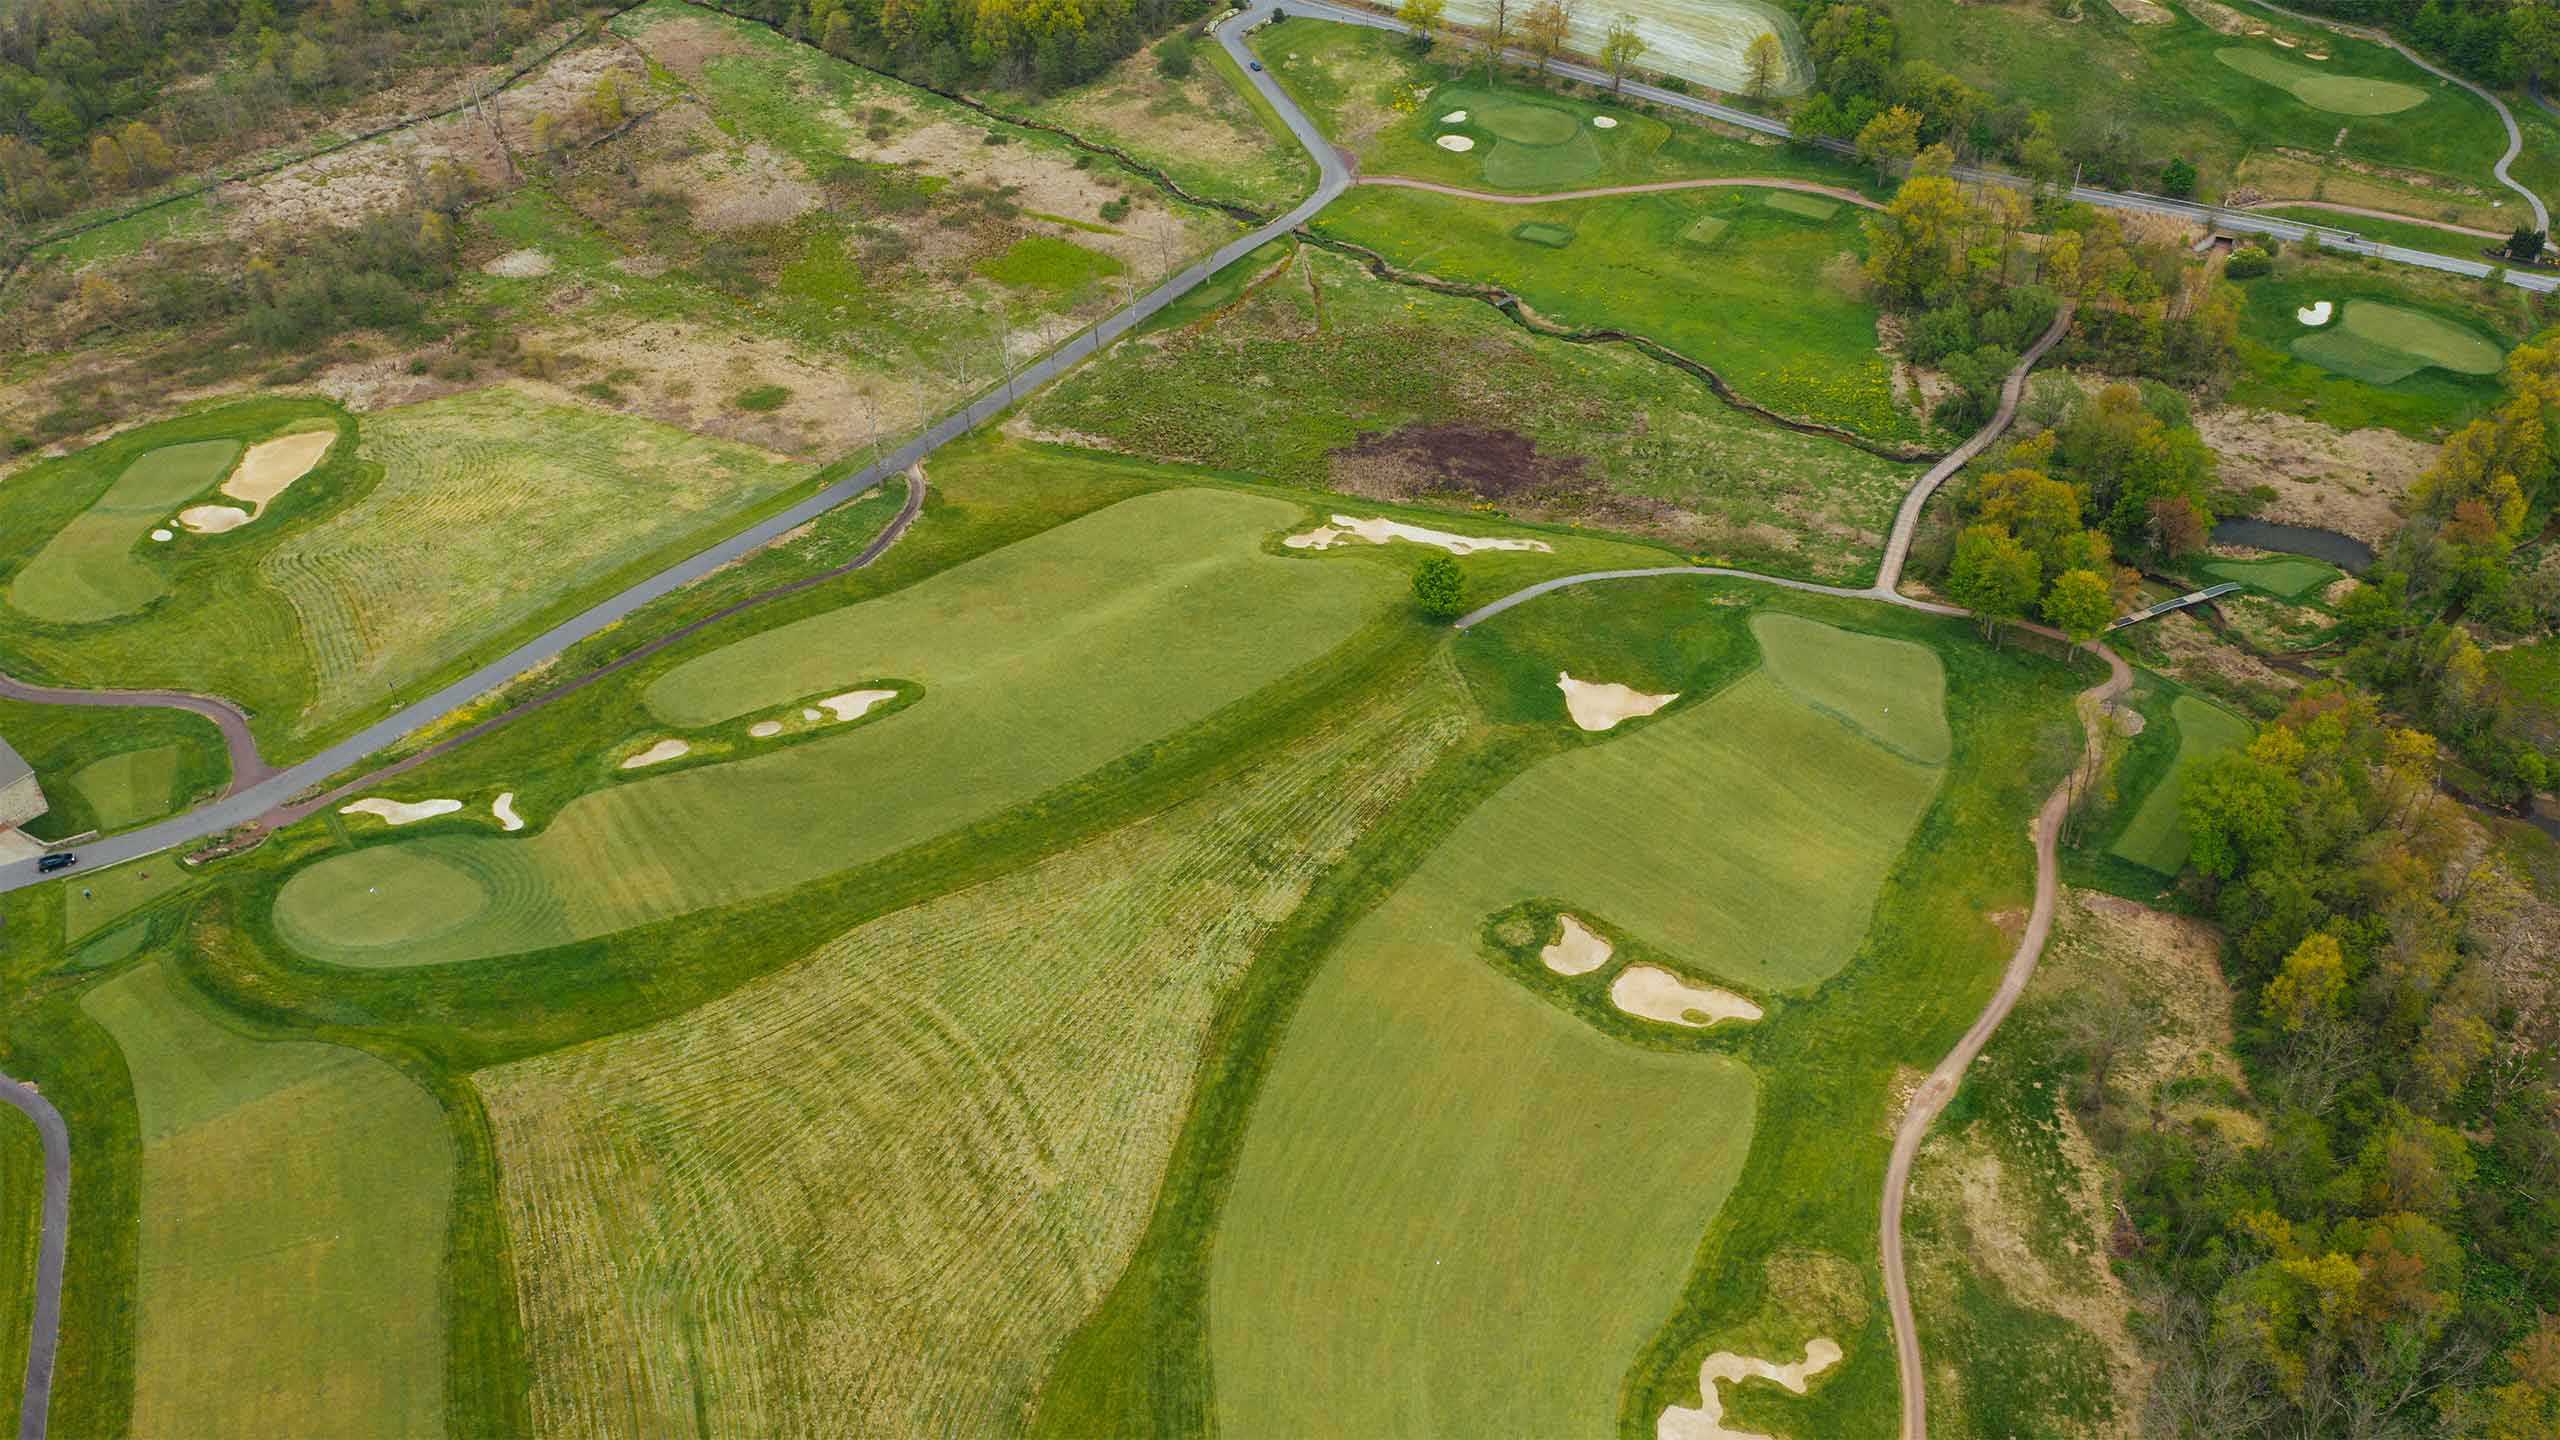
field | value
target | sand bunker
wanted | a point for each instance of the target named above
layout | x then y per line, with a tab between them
2314	314
213	519
1460	143
504	807
662	751
164	536
1707	1421
1577	952
1454	117
1650	992
1599	707
811	714
765	729
1604	122
400	812
519	265
272	465
1380	531
852	704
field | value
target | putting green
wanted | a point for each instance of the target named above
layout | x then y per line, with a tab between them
1462	1210
2289	576
132	787
2381	344
1891	691
2156	836
87	572
1524	123
1039	663
289	1275
2321	90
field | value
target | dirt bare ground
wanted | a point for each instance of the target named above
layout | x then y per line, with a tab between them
2355	482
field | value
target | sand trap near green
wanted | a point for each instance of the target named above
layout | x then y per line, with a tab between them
1461	1209
2321	90
1039	663
2156	836
2381	344
87	572
294	1207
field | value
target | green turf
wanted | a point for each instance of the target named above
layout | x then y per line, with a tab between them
2338	94
2380	344
1704	231
2408	234
88	571
2422	401
1538	232
293	1229
1811	207
1037	663
1414	1241
1891	691
1757	308
132	786
63	742
2288	577
1045	262
2156	836
93	900
21	1195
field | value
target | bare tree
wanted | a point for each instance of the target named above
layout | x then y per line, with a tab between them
1545	27
1497	37
1620	49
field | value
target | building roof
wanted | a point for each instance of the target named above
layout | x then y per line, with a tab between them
12	768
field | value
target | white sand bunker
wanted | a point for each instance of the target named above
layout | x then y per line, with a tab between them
213	519
1454	117
1600	707
164	536
664	750
812	714
1577	952
1707	1421
400	812
2315	314
273	465
1604	122
504	807
1460	143
765	729
519	265
1380	531
852	704
1650	992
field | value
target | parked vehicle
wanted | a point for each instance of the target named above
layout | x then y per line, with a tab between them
51	863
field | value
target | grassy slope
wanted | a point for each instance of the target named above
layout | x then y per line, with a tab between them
1340	362
293	1221
2155	836
1754	305
21	1192
63	742
1827	1064
1208	130
2181	99
987	1083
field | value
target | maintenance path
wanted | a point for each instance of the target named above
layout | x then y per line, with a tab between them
54	1224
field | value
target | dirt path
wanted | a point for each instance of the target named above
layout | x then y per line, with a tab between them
1651	187
54	1221
2335	208
1940	1087
248	767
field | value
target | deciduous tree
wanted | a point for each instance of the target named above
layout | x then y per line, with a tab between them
1424	16
1760	61
1993	576
2080	604
1619	49
1889	141
1544	29
1440	588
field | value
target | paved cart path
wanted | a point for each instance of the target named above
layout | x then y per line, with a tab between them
248	767
55	1222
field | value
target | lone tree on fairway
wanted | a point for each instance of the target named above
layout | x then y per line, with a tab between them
2079	605
1994	577
1889	140
1760	66
1619	50
1424	17
1545	26
2526	244
1440	588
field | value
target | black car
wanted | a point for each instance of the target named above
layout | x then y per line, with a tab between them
51	863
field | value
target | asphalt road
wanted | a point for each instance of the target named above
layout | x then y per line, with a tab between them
55	1226
2233	221
246	803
